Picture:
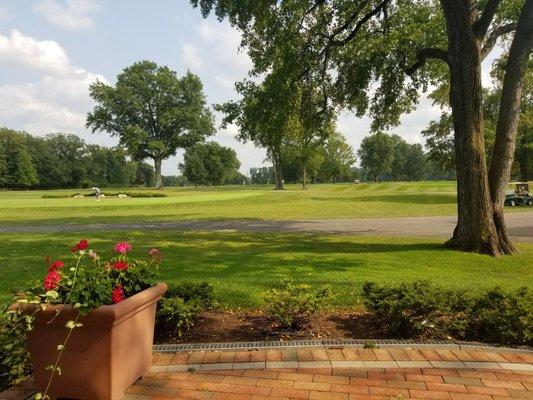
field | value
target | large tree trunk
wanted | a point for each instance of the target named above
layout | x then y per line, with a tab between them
278	172
504	144
158	178
304	176
475	230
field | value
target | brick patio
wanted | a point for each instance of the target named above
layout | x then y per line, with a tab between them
335	373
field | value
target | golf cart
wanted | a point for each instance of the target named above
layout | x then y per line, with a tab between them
520	196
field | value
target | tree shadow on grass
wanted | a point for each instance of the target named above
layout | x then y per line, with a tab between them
239	264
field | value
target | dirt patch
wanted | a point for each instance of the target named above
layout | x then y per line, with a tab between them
218	326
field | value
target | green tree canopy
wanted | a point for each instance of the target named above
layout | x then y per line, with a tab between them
152	111
349	47
376	154
339	158
209	164
20	171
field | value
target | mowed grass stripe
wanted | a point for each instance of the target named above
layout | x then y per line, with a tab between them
365	200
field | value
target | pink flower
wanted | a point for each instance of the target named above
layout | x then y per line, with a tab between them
81	245
51	281
156	255
117	295
122	247
56	265
120	265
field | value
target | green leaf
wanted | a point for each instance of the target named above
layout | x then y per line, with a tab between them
52	294
70	324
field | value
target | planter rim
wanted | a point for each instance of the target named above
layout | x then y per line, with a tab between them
112	314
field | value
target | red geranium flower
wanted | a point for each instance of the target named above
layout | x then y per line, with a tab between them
51	281
120	265
117	295
56	265
81	245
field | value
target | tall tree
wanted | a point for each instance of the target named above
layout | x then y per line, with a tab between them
263	115
415	163
397	168
20	173
349	45
262	175
152	111
209	164
377	155
338	158
3	165
144	175
309	126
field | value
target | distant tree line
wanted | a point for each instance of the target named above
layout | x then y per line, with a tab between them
387	157
65	161
383	157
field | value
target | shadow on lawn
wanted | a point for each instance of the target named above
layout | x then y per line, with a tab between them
229	260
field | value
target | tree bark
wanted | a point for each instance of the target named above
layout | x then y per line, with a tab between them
505	141
158	178
475	229
278	172
304	176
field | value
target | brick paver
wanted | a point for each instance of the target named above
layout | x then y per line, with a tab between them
333	373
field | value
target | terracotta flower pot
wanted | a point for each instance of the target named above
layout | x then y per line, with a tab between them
105	356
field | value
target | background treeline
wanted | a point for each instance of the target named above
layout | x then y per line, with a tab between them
65	161
383	157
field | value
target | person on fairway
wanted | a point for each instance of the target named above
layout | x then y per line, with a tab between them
97	193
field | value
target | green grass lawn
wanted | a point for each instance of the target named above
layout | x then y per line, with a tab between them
241	266
320	201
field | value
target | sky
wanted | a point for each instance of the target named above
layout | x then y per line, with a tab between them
52	50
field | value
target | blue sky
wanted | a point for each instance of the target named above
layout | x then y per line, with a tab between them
51	50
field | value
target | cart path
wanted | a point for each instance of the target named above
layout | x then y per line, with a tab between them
520	226
322	372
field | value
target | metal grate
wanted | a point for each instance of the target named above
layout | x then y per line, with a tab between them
384	343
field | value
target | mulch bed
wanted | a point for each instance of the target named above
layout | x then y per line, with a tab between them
244	326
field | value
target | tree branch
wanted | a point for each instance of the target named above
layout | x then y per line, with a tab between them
422	57
481	26
360	23
493	36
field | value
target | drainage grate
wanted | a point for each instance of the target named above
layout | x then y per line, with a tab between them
384	343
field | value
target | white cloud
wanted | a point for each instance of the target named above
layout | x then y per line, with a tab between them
73	15
190	56
217	50
57	101
24	51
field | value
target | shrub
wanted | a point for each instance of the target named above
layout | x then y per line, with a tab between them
406	310
501	317
420	309
14	357
176	314
58	196
107	194
181	304
293	305
202	292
